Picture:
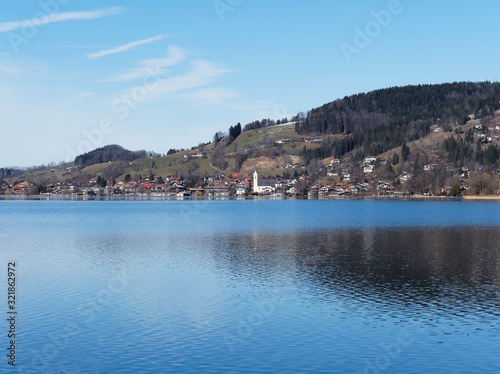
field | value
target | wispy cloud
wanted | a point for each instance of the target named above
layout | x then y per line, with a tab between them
124	47
8	70
202	73
58	17
152	66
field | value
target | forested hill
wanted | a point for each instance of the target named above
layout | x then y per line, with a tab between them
108	153
383	119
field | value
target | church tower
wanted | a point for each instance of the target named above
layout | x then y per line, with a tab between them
255	179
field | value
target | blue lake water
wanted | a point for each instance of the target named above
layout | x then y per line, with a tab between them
253	286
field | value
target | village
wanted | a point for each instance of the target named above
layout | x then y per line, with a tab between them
339	182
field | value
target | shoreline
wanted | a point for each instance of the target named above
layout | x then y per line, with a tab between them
491	198
485	197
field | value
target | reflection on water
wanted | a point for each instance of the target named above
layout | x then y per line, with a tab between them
439	284
428	271
252	287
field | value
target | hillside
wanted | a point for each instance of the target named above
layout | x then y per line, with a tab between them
106	154
383	119
408	130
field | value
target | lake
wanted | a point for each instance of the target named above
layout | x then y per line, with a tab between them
253	286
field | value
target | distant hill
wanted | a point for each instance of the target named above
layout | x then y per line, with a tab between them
108	153
383	119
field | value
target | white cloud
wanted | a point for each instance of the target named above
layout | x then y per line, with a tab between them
153	66
202	74
58	17
125	47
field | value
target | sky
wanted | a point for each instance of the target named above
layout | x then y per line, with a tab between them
77	75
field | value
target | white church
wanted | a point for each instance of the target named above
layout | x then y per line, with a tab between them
263	186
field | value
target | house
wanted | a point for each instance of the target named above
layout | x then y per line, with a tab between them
241	190
368	169
313	191
446	189
464	172
405	177
196	155
21	188
217	190
293	191
331	173
381	185
364	187
283	141
333	167
429	167
196	191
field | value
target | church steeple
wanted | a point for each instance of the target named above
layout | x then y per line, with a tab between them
255	178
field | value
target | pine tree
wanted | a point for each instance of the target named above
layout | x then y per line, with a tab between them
405	151
395	159
455	190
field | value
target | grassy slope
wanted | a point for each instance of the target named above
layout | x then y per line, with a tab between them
177	165
258	137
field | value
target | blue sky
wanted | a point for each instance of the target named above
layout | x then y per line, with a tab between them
77	75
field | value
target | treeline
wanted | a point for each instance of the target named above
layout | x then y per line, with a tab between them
266	122
462	151
10	172
383	119
235	131
108	153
